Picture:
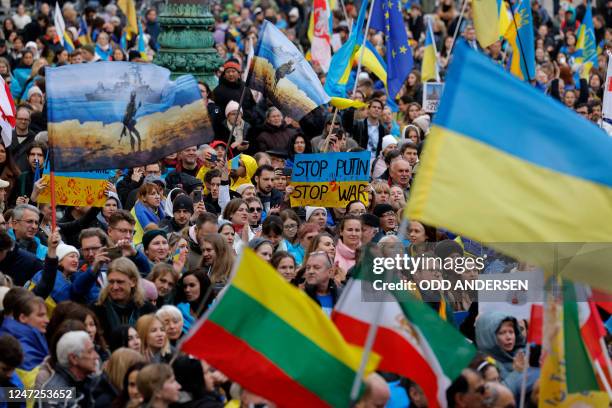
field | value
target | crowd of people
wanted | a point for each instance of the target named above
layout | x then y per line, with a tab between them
100	301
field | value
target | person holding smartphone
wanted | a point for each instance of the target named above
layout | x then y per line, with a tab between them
234	121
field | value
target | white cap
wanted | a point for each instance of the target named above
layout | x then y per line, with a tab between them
388	141
63	250
232	106
310	210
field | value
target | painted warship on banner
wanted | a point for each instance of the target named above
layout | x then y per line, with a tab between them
129	82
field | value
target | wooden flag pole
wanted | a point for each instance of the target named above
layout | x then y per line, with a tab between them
52	187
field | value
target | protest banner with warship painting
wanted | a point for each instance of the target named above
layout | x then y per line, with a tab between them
119	114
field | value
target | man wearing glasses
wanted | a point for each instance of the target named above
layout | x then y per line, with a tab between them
26	219
23	137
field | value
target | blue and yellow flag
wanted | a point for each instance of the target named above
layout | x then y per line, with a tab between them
342	62
282	74
84	37
142	45
429	67
586	45
522	168
129	10
387	17
520	38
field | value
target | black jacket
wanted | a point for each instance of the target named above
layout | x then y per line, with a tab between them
230	91
275	198
359	130
20	265
19	150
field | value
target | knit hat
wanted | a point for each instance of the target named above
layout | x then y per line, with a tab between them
257	242
151	178
34	91
370	220
310	210
182	202
447	247
232	64
150	236
150	290
294	12
222	223
388	141
423	122
4	183
232	106
380	209
63	250
243	187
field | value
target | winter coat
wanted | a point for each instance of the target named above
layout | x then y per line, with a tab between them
20	265
32	341
34	247
487	326
274	138
63	379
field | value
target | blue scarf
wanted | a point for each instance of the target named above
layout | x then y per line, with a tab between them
145	216
104	55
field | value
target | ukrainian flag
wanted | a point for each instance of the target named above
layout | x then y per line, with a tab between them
429	67
341	63
586	45
520	38
68	44
142	46
504	163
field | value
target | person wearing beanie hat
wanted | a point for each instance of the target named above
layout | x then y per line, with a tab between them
155	246
423	122
379	166
317	215
243	187
232	107
56	279
387	216
262	247
230	89
35	98
234	122
182	210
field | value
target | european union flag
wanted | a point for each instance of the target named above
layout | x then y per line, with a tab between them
387	17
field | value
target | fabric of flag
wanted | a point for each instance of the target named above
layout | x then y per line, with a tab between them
607	101
387	17
123	41
345	103
142	45
58	22
341	63
521	39
560	387
411	339
536	322
528	165
319	34
485	14
128	8
586	45
429	67
112	115
7	110
83	36
505	17
276	342
282	74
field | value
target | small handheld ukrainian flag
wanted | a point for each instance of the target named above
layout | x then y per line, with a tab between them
586	45
429	67
520	37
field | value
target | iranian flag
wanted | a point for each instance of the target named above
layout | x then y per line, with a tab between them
411	339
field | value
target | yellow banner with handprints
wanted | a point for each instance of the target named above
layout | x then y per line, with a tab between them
78	188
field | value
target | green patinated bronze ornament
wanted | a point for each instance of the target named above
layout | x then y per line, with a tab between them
186	41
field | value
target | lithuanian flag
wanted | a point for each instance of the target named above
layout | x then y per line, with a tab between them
273	340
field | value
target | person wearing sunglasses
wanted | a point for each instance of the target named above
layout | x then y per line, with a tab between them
255	210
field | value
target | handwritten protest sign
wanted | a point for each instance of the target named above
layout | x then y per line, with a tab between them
330	179
82	188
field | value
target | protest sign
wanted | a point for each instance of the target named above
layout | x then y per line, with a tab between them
120	114
432	92
81	188
330	179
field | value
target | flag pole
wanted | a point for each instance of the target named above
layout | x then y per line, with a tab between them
602	377
52	187
331	129
463	7
363	43
244	89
